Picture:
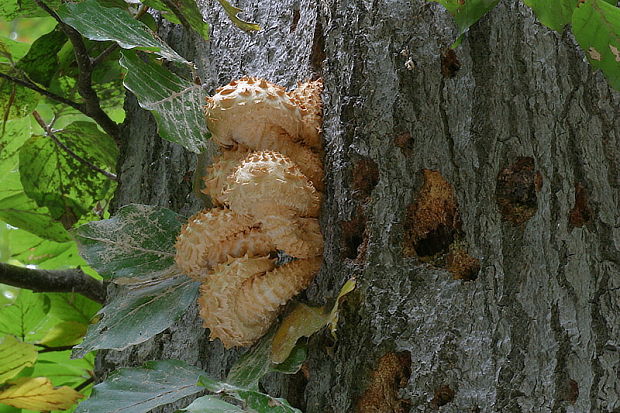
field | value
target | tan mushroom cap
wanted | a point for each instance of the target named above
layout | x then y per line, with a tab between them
298	237
221	168
307	96
212	235
240	300
268	181
244	112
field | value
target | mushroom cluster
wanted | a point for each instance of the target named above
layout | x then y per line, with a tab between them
267	188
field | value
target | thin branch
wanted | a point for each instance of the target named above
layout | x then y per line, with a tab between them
72	154
44	92
48	349
85	383
97	60
59	281
91	103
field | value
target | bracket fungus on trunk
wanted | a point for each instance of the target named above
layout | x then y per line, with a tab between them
266	186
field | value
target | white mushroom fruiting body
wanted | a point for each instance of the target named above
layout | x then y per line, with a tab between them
267	187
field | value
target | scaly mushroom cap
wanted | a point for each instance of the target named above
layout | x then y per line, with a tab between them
223	166
240	300
307	96
268	181
212	235
244	112
298	237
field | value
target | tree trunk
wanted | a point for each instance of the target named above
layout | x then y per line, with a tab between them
496	164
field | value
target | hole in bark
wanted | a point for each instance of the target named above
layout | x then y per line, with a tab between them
581	213
432	221
462	265
516	190
443	395
405	142
318	48
295	20
365	178
354	236
569	391
296	388
450	63
391	374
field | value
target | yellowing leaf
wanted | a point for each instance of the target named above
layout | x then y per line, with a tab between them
304	321
14	356
38	394
232	13
333	316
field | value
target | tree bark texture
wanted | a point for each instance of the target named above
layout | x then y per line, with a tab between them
498	164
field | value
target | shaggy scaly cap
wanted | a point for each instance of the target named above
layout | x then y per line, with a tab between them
210	236
246	110
240	300
267	181
307	97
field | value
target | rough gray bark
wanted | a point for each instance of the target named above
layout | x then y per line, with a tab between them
538	330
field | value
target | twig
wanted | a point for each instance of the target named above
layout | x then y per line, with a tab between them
97	60
85	383
91	103
44	92
72	154
60	281
49	349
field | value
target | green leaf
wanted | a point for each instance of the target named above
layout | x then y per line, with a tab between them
18	101
101	23
25	316
256	362
137	242
232	13
29	249
65	333
60	369
41	61
253	365
295	360
16	132
139	313
467	12
554	14
72	307
11	9
260	402
11	50
139	390
189	11
14	356
176	104
211	404
596	25
68	187
22	212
